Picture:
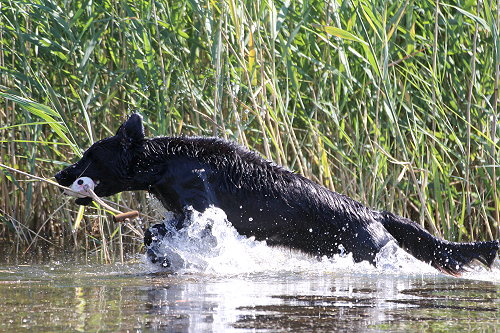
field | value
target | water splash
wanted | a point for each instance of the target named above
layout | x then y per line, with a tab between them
210	244
482	273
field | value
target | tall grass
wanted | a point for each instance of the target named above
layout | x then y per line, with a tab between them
392	103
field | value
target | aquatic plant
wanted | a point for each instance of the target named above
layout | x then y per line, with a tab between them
392	103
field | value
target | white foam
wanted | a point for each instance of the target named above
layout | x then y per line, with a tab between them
210	244
480	272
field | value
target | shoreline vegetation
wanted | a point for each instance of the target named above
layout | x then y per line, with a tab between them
394	104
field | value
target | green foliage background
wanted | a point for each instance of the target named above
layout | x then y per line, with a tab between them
393	103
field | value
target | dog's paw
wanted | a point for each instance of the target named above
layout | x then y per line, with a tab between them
157	260
152	240
154	235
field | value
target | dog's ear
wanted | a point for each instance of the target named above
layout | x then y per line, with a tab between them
131	131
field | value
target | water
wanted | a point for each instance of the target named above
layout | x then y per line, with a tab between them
222	282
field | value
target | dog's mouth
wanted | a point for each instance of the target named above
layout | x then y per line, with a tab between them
98	190
80	186
83	201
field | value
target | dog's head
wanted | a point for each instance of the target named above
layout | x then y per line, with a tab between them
108	162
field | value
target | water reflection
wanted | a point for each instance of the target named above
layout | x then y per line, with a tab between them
120	298
394	304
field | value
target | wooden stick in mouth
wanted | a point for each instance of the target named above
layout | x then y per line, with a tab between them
124	216
118	217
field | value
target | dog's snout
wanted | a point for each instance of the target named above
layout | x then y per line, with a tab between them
61	176
64	178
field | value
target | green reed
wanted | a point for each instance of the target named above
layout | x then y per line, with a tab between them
392	103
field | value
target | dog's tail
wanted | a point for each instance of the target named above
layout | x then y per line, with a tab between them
448	257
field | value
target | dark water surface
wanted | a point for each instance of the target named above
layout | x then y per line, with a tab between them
224	282
71	297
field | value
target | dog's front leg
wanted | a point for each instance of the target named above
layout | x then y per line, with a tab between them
153	238
184	193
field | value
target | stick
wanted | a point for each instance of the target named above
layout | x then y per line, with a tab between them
119	217
90	193
124	216
38	178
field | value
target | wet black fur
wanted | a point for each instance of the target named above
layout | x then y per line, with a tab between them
260	198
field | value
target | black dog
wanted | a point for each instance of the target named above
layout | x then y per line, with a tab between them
260	198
